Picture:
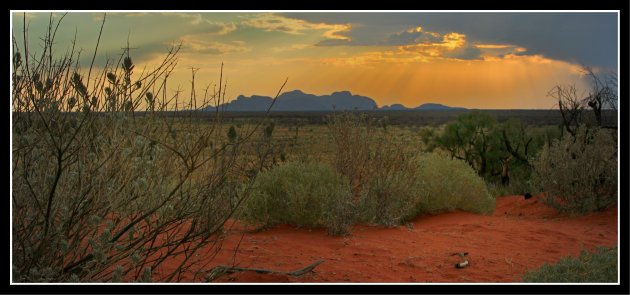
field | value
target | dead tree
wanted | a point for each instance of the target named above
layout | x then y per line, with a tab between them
571	107
602	95
515	152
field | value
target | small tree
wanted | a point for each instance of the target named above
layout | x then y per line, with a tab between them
493	149
231	134
474	138
579	174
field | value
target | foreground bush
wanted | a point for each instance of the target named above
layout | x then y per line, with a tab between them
390	197
579	174
448	184
597	267
380	170
310	195
424	184
390	193
361	148
106	185
391	185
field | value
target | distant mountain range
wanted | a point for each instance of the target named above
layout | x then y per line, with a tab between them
297	100
423	107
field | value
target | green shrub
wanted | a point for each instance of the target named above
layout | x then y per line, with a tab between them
390	196
310	195
597	267
428	183
448	184
314	195
382	178
357	143
579	174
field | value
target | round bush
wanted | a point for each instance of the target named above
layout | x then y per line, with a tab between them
302	194
579	174
390	199
448	184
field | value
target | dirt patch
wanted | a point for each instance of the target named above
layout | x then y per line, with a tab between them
519	236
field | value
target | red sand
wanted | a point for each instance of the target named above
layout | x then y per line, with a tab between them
519	236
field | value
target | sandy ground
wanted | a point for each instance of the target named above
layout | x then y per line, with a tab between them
519	236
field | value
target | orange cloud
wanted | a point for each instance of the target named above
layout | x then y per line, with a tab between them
452	45
453	40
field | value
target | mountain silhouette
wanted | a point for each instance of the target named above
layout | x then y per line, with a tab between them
394	107
423	107
436	106
297	100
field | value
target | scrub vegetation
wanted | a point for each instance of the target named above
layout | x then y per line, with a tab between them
112	174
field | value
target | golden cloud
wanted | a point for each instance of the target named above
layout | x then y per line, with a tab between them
453	45
453	41
415	30
272	22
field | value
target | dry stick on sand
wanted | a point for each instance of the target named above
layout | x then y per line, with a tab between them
222	270
510	263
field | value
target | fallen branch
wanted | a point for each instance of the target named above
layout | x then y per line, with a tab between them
221	270
510	263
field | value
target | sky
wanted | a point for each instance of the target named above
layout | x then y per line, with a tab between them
490	60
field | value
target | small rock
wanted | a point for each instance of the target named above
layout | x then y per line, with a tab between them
462	264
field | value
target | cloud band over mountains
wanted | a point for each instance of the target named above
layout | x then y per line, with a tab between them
471	59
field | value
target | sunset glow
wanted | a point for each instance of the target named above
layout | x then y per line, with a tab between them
489	61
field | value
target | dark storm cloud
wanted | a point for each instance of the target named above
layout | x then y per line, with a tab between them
336	42
586	38
400	38
468	52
